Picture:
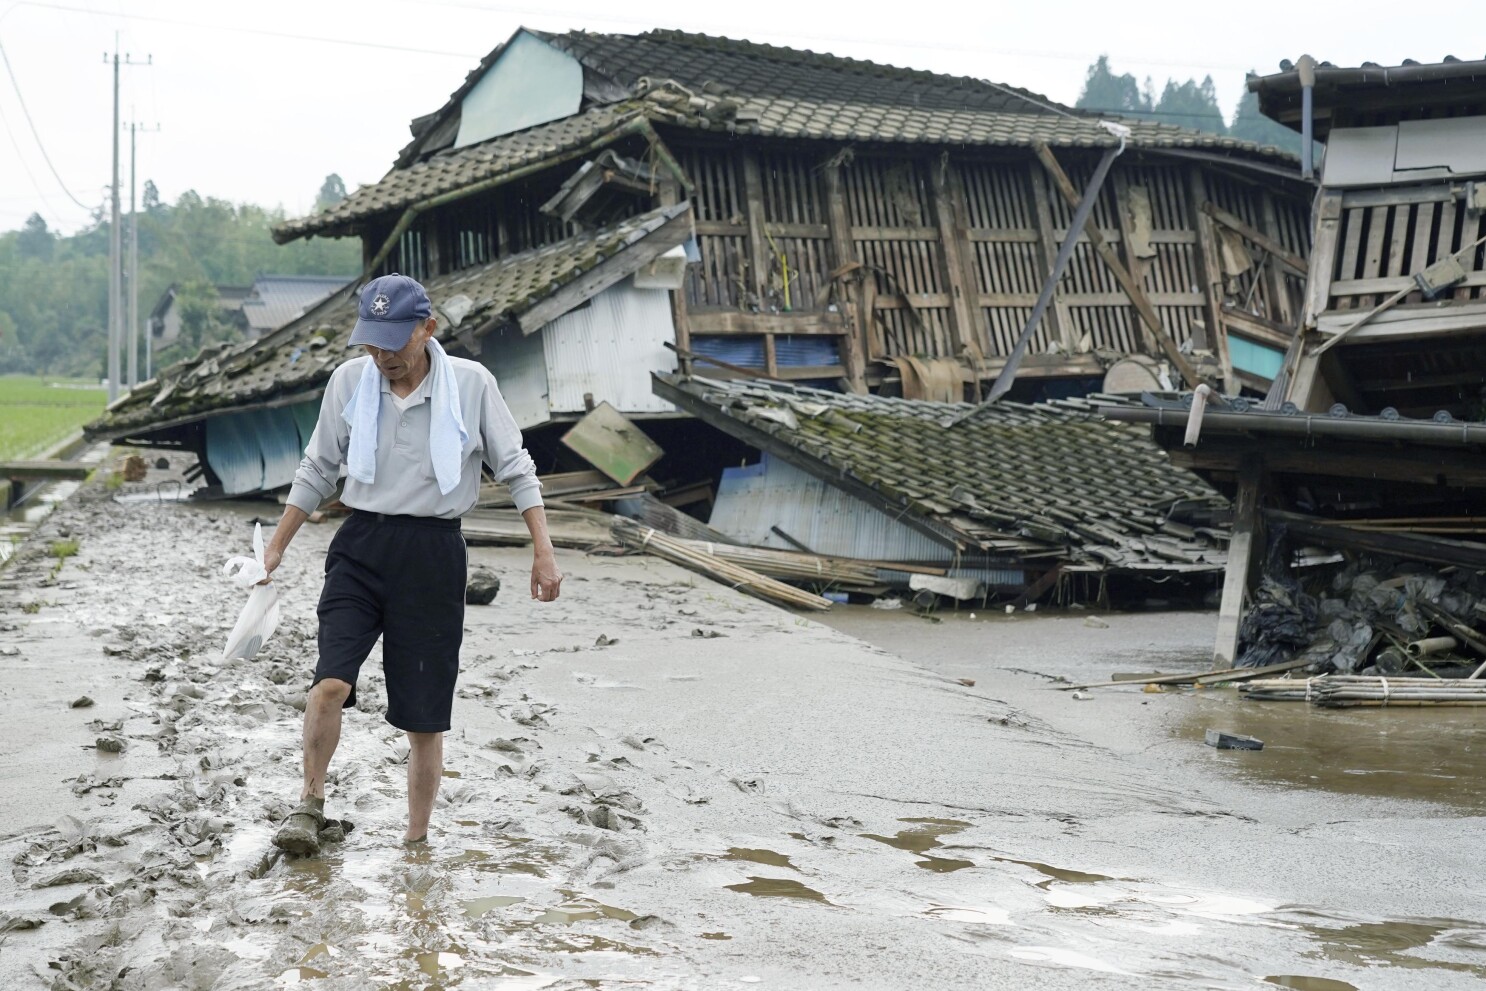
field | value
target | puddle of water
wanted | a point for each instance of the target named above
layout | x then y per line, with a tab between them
317	951
296	975
451	773
579	909
436	963
778	887
1391	942
716	936
1429	754
476	907
926	838
1056	873
766	857
1302	983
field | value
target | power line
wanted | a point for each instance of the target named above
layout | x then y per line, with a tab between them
35	134
238	29
5	121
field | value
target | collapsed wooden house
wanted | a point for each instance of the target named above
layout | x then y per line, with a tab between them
588	209
1372	440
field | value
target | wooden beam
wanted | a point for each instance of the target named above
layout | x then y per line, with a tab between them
964	310
1211	275
668	193
1247	537
853	345
36	471
1282	309
1433	468
1323	257
1277	251
628	261
1155	334
758	243
1257	328
1048	254
735	322
1410	546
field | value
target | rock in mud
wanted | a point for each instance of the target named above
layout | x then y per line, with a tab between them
73	875
82	702
110	745
483	587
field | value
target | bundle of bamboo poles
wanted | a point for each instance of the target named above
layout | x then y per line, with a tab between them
791	565
1348	691
632	534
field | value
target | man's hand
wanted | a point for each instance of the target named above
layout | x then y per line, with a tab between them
546	580
272	558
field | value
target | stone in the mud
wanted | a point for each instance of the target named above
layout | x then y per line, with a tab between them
707	634
162	463
82	702
73	875
605	817
483	587
604	640
17	923
109	744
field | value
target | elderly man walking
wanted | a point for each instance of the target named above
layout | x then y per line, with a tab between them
411	425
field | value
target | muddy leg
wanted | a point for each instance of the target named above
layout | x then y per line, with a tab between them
322	733
425	771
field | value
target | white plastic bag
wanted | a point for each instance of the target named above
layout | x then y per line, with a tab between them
260	617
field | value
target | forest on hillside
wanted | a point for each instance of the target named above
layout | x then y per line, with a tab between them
54	289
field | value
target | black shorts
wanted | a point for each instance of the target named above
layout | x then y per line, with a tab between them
401	578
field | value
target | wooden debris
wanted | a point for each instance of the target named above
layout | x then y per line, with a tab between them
1347	691
1195	678
1232	741
632	534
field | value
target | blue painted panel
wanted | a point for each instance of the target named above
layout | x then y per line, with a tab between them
233	454
305	417
530	83
789	350
1256	359
277	433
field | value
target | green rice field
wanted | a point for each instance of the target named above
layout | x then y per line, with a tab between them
38	412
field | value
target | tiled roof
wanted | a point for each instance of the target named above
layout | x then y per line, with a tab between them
299	357
1051	480
740	87
455	169
277	299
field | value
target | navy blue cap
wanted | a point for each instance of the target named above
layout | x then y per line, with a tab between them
391	306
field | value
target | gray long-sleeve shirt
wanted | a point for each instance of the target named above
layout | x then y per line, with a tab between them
405	483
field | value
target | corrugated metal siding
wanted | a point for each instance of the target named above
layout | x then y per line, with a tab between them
233	454
520	369
258	449
827	520
608	349
790	351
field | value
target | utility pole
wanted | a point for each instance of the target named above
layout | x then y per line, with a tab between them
115	243
135	330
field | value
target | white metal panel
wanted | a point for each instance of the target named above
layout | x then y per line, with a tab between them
530	83
608	349
824	518
1360	156
520	370
1453	145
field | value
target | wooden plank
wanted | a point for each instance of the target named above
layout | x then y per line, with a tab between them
1019	235
1194	678
1277	251
1155	333
604	275
771	356
913	301
963	310
1281	308
879	233
34	471
1413	547
723	228
736	322
1042	212
1257	328
758	243
853	345
668	193
1247	538
1409	321
1391	284
1448	467
1211	275
1433	193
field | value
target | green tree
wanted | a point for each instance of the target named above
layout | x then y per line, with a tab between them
151	197
1110	93
1251	125
332	191
36	240
1191	104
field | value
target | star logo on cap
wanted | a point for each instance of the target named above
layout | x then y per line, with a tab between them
380	305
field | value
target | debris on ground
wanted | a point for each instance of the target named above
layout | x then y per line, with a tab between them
483	587
1232	741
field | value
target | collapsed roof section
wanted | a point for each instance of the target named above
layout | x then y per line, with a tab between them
1052	481
630	83
292	364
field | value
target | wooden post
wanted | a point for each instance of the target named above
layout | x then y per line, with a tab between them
1281	310
1304	386
964	298
1049	241
1133	263
668	193
1210	268
1247	535
758	245
1154	332
853	343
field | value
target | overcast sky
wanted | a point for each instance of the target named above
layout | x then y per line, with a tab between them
260	101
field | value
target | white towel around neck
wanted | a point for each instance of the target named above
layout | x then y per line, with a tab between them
446	432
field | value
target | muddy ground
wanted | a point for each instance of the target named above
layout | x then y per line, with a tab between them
725	794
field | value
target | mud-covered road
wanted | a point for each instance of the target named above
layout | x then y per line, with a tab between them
723	795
